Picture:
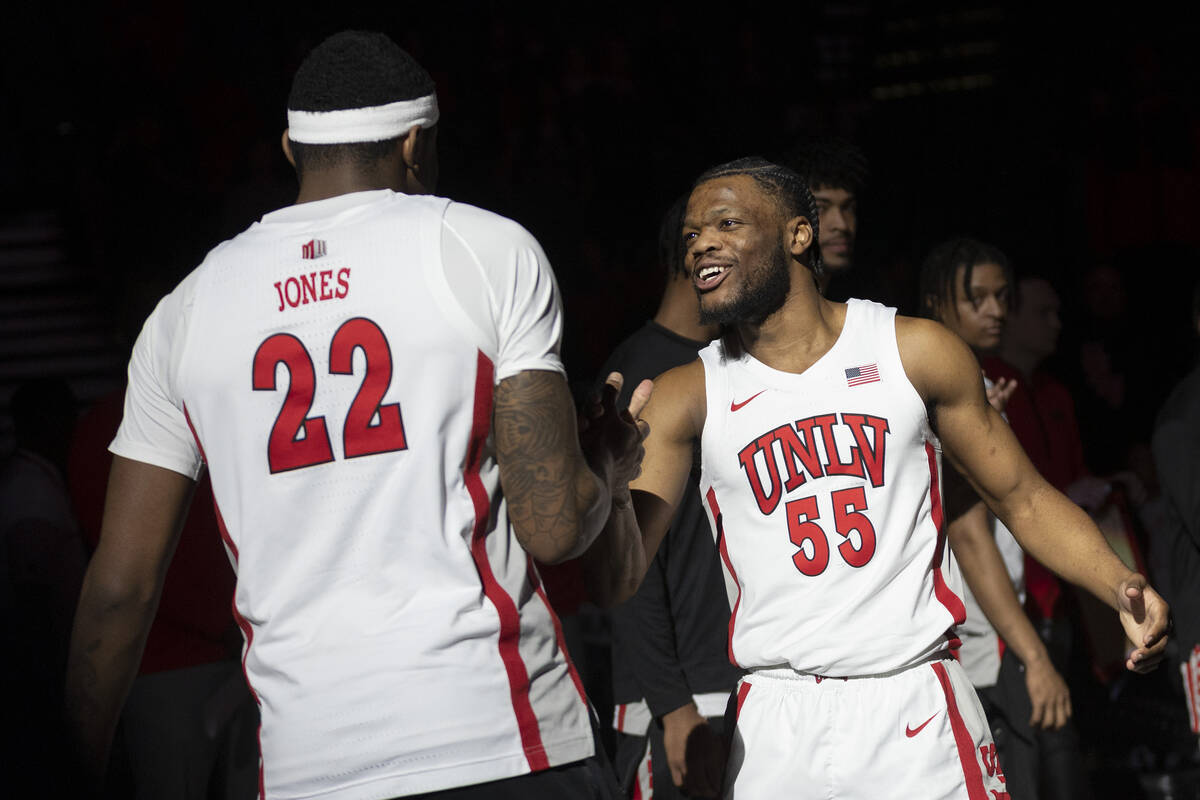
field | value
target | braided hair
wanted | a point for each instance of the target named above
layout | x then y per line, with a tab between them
785	187
941	267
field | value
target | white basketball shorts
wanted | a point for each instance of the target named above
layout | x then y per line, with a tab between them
918	732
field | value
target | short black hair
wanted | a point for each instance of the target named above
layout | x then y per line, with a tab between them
785	186
828	161
941	266
672	253
353	69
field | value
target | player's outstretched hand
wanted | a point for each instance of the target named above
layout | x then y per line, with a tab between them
999	392
1146	618
1048	694
615	437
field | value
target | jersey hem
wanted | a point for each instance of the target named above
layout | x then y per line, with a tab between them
512	765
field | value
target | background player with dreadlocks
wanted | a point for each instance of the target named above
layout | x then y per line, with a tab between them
966	285
820	426
382	511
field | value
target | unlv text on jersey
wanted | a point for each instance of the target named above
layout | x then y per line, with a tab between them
795	444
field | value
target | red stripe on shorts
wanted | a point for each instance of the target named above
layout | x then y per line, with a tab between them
743	690
972	774
506	608
711	497
944	593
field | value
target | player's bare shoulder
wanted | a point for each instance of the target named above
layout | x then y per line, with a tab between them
678	406
935	359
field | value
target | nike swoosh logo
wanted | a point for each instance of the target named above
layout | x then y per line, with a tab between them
911	732
735	406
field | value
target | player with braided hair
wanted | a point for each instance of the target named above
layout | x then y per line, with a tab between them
821	427
965	285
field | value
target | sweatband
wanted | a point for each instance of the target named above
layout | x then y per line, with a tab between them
369	124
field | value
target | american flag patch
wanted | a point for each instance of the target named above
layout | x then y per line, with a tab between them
313	249
867	373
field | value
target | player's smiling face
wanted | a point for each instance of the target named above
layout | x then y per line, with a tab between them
733	231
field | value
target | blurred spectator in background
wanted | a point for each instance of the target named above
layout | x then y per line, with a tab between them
966	285
45	563
835	171
1117	389
1042	414
1176	447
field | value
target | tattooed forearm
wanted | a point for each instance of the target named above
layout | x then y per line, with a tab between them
546	483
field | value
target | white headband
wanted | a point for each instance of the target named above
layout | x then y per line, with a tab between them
370	124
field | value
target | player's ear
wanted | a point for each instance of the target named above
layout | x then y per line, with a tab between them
799	235
418	153
287	148
929	304
410	151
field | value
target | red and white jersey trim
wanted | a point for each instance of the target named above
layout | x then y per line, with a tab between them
830	522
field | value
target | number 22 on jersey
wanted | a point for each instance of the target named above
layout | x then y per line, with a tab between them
286	450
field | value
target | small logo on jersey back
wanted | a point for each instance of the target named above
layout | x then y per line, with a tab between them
735	406
314	248
911	732
867	373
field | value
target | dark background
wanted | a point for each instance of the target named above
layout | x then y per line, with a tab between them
138	136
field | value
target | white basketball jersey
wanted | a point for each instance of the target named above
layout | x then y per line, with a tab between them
336	372
823	492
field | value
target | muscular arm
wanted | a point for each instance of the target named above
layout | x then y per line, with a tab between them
1049	527
983	568
640	517
555	500
144	510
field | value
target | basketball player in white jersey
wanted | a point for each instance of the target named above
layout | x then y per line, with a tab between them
821	426
372	377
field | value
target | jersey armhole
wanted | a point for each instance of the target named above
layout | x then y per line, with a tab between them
911	389
434	229
716	381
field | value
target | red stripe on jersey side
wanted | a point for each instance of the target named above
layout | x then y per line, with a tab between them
711	497
536	582
242	624
743	690
621	717
972	774
220	521
506	608
944	593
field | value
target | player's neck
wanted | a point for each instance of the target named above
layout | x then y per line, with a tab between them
324	184
679	311
799	333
